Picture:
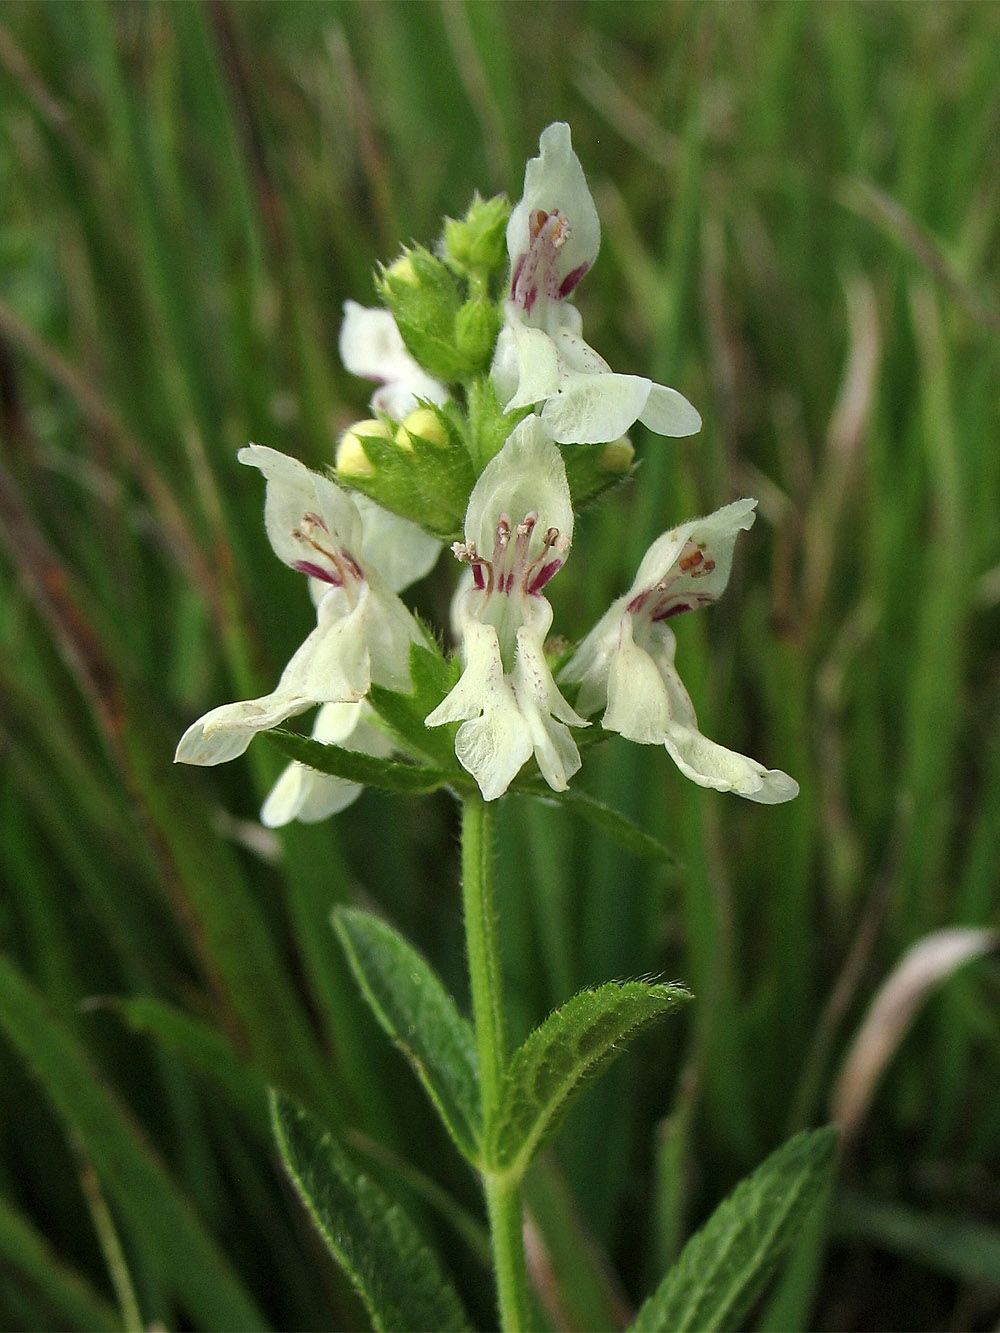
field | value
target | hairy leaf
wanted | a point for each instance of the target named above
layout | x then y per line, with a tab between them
418	1013
724	1267
571	1046
392	1268
370	771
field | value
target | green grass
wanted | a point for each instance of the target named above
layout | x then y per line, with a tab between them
801	231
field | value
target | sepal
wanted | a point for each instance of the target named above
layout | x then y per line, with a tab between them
475	246
424	299
427	479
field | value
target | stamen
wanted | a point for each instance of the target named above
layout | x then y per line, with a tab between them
345	568
693	561
541	569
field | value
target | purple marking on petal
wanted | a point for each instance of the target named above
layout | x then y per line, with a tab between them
516	274
572	278
694	603
543	575
530	299
317	572
477	577
310	517
638	602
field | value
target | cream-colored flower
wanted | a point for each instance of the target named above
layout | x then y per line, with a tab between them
506	700
363	631
625	665
553	237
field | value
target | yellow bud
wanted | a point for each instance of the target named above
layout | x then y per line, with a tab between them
402	270
425	423
616	456
351	458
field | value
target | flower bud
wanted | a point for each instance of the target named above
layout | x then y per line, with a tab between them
477	243
424	300
351	459
425	423
617	455
476	327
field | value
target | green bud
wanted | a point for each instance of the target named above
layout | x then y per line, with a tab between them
477	243
476	327
423	297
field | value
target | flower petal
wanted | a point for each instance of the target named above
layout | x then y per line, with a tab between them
527	475
541	704
494	740
372	347
668	412
225	732
526	367
309	796
591	409
401	551
293	493
638	703
554	181
716	535
712	765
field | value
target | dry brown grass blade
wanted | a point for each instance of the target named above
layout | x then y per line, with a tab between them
927	963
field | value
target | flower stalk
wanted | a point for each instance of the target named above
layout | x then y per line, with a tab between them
503	1194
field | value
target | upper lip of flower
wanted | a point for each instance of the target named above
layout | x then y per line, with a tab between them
553	237
506	700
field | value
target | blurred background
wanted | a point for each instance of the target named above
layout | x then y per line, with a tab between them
801	231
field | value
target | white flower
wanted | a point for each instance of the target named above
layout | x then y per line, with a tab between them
402	553
363	631
626	663
306	794
553	237
372	347
509	706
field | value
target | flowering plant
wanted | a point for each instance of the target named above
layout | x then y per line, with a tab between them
493	422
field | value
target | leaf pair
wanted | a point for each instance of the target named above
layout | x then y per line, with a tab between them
544	1076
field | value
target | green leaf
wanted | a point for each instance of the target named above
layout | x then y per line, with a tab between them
433	676
68	1298
394	1271
172	1237
593	469
966	1250
389	774
618	827
489	425
203	1048
724	1267
570	1047
418	1013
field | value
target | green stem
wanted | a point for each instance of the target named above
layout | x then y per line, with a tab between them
503	1196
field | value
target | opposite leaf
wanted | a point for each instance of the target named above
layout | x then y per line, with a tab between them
432	676
370	771
393	1270
418	1013
571	1046
723	1268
